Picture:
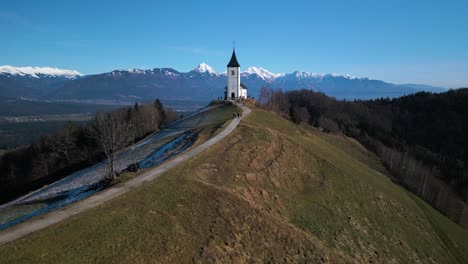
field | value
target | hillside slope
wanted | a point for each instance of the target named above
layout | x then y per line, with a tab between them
270	191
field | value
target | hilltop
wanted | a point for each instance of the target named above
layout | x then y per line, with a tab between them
270	192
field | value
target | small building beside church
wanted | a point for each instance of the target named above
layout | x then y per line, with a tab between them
234	89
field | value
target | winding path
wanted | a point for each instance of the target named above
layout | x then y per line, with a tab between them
54	217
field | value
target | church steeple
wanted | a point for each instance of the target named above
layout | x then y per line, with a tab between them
235	89
233	62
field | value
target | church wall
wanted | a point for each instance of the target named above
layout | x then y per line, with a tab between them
233	82
243	93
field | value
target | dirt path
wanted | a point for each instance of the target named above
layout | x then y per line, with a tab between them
104	168
51	218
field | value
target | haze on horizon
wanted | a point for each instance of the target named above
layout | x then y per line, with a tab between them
419	42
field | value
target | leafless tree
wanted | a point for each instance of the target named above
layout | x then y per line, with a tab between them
113	134
265	96
170	115
63	142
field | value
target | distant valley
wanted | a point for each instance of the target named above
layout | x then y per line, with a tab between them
43	99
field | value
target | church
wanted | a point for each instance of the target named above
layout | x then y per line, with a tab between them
234	89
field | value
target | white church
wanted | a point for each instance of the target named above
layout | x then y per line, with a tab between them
234	89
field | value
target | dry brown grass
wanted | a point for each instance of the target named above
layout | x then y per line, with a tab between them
270	192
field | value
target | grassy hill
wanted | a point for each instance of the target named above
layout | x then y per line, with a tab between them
270	192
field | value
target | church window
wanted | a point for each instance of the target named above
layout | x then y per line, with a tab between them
232	73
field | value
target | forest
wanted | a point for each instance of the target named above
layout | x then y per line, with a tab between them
74	147
421	138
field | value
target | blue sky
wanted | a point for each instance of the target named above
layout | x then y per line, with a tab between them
396	41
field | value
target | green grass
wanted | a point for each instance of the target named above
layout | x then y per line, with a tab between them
211	117
270	191
448	231
10	213
364	206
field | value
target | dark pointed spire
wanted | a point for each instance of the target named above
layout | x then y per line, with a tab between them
233	62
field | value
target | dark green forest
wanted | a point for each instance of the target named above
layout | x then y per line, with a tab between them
421	138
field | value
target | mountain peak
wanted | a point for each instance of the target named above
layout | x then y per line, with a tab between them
203	67
301	74
346	76
306	75
262	73
138	71
36	72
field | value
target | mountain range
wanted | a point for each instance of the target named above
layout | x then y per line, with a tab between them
200	83
33	82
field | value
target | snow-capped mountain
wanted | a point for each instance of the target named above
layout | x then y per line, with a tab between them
136	71
38	72
262	73
269	76
167	72
33	82
203	82
205	68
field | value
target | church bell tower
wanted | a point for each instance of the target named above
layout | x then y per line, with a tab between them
233	88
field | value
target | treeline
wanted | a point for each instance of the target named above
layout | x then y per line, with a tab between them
74	147
422	138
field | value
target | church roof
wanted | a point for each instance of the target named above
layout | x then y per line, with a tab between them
233	62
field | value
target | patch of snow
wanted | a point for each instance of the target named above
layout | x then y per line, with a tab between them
203	67
269	76
138	71
277	75
262	73
171	74
314	75
347	76
36	72
305	75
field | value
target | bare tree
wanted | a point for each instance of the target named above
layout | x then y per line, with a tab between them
170	115
113	134
153	116
63	142
265	96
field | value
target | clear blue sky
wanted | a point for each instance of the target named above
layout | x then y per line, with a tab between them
396	41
